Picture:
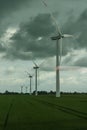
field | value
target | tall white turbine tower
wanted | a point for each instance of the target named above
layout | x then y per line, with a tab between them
58	38
58	59
36	67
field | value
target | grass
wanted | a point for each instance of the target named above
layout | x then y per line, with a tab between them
23	112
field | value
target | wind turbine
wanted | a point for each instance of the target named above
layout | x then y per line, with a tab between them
30	76
36	67
21	89
26	89
58	39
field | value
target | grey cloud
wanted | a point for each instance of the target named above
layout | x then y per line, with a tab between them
2	48
13	54
49	64
78	26
75	60
41	25
10	71
67	60
25	44
24	40
28	50
11	5
81	62
75	27
8	9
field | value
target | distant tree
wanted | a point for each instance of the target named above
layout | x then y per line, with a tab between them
6	92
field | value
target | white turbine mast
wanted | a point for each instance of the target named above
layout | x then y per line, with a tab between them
30	76
36	67
58	39
26	90
21	89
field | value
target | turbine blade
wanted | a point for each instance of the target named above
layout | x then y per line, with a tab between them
33	74
35	63
67	35
77	35
27	73
42	63
56	24
44	3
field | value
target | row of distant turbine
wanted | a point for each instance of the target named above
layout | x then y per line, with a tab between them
36	67
26	89
58	39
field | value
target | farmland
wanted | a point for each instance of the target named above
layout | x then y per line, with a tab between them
24	112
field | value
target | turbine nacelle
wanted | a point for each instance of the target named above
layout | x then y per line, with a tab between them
30	76
36	67
57	37
61	36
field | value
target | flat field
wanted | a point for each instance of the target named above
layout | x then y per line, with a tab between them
24	112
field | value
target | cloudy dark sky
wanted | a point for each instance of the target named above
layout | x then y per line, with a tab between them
25	30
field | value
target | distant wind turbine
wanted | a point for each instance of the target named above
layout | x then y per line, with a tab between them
26	89
21	89
36	67
30	76
58	39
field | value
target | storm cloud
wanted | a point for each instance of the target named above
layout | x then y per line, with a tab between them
7	7
78	27
26	28
25	42
82	62
40	26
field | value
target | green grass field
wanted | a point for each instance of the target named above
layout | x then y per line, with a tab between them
23	112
